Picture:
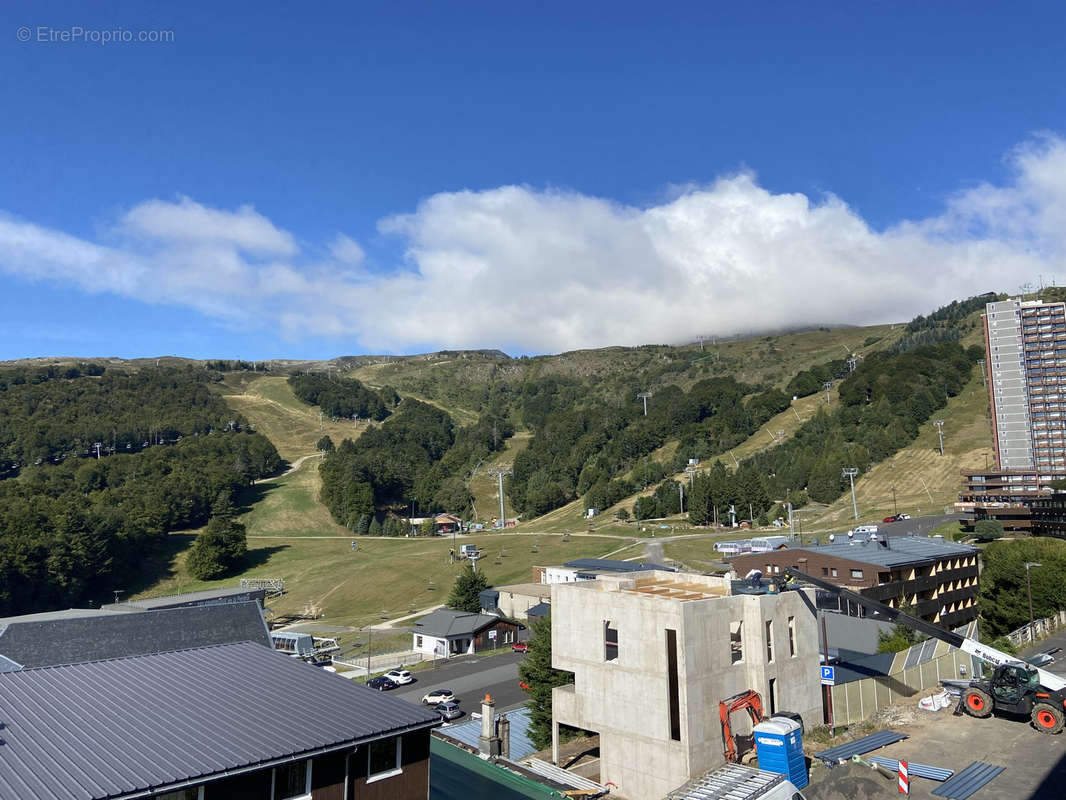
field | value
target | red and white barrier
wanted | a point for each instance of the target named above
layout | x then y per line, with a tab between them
904	779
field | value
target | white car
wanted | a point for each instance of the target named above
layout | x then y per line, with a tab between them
437	696
399	676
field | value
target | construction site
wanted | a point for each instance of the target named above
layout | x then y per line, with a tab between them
668	711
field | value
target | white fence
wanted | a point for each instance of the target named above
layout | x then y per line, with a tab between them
379	662
1041	628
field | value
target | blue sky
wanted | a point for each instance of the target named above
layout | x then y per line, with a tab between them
282	181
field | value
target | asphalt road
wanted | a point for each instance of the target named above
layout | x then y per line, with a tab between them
470	679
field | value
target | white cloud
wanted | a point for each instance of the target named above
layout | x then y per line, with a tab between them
346	250
552	270
189	222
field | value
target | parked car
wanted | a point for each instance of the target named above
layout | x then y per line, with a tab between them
903	516
399	676
381	683
1043	659
437	696
892	518
519	647
448	710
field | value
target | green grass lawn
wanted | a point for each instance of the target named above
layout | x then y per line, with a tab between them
292	425
289	506
390	577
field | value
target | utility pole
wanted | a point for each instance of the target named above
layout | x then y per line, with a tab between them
828	689
1029	589
828	385
644	396
895	511
791	530
681	491
850	473
940	432
499	472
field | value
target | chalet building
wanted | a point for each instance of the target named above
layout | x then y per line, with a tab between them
230	722
938	580
446	633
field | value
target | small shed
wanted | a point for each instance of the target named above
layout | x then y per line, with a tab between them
447	633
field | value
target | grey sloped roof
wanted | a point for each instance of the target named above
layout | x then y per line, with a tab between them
67	613
901	550
611	565
49	642
109	729
445	622
205	597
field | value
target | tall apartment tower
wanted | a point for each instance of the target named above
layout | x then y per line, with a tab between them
1026	365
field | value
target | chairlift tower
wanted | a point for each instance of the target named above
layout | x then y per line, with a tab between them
852	363
850	473
828	385
940	432
499	472
644	396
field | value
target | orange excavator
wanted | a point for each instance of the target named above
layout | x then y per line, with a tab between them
749	701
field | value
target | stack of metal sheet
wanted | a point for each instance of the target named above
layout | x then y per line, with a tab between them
875	741
968	781
914	768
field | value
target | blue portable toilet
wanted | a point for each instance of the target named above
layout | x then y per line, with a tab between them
779	745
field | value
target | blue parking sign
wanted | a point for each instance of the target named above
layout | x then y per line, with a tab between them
828	675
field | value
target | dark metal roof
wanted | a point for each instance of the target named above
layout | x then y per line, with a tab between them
539	610
901	550
610	565
446	622
202	598
112	729
67	613
965	783
46	643
875	741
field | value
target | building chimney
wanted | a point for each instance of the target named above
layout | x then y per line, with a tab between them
488	743
505	736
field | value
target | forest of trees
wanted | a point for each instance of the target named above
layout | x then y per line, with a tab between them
69	521
416	457
584	448
344	398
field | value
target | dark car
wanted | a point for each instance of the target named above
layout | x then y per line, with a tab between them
381	683
448	710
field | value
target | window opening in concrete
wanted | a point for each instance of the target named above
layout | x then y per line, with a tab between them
671	676
772	694
610	642
833	572
857	574
769	640
825	570
791	637
736	645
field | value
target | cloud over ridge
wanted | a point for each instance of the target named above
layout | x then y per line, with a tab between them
548	270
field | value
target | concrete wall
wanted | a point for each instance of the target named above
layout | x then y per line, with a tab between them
627	700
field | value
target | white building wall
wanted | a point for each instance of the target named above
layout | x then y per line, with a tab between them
627	700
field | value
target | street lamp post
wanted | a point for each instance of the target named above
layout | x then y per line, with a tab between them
1029	591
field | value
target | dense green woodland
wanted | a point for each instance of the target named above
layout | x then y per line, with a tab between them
416	458
344	398
70	530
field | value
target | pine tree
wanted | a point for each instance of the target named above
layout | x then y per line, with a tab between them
467	589
540	677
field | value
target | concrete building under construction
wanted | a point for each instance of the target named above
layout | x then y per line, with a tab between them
653	654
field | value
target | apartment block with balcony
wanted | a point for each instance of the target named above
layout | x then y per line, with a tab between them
937	580
1026	371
